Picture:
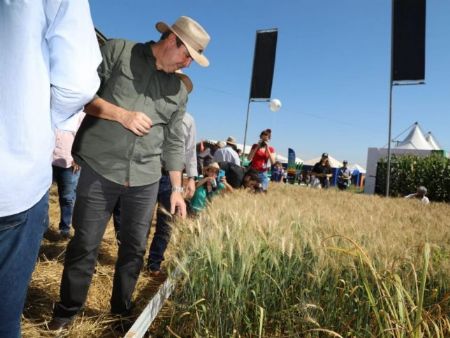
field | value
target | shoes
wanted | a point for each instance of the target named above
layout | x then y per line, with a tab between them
154	273
65	235
59	323
122	325
157	274
123	313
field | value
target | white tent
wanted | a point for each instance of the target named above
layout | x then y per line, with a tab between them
415	143
432	141
281	158
356	166
415	140
333	162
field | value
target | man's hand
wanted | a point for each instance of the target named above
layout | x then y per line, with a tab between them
177	204
137	122
75	167
190	188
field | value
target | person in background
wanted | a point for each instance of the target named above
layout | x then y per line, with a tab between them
322	173
163	228
344	176
136	116
277	172
420	194
240	177
228	153
205	154
66	173
260	154
47	74
209	186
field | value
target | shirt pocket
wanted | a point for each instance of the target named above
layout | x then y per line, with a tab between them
164	108
128	86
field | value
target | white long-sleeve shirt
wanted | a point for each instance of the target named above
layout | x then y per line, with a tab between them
190	133
48	72
227	154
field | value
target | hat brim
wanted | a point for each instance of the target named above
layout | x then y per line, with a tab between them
232	143
162	27
215	167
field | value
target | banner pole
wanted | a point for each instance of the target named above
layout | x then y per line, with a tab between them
246	127
388	173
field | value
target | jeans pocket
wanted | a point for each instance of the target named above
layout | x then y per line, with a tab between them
12	221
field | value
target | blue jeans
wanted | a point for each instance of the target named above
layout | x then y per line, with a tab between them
66	181
264	180
163	229
20	239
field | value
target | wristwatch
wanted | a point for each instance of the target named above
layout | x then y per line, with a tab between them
178	189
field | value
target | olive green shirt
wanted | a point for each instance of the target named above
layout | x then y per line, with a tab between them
129	79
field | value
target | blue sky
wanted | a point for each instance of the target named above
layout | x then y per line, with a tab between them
331	72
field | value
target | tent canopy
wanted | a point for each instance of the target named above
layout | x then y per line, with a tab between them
415	140
281	158
356	166
333	162
432	141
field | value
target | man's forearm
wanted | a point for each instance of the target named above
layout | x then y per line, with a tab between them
175	178
102	109
137	122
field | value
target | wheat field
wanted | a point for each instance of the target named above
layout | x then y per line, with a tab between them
293	262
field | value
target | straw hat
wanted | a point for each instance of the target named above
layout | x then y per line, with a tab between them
213	165
186	80
231	140
194	37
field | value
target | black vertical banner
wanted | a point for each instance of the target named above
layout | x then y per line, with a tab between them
263	64
409	40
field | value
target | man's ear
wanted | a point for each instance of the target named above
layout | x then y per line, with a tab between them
172	39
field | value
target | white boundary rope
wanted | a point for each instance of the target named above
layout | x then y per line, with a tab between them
153	307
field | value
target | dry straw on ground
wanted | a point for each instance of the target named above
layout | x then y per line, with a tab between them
95	321
389	230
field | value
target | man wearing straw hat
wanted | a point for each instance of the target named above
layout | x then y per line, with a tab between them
228	153
136	116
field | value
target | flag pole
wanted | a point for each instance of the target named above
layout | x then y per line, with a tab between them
388	173
246	127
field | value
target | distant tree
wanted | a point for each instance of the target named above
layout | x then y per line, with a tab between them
410	171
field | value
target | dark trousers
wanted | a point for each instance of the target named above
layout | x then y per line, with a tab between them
163	228
96	198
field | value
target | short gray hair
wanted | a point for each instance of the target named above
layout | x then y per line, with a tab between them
422	190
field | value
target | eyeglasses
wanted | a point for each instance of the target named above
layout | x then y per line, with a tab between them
186	51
